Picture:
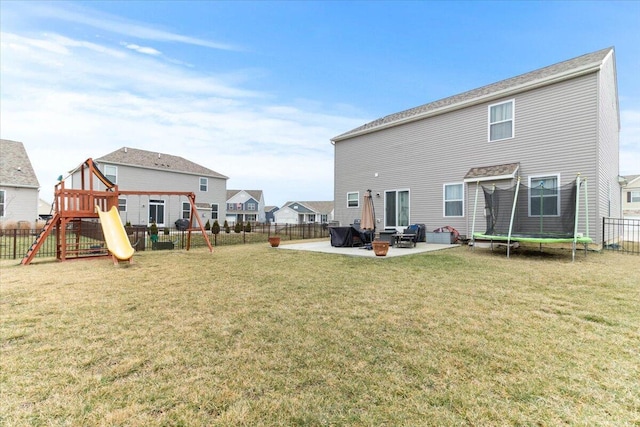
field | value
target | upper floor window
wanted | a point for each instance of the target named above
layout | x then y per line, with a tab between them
453	200
214	211
111	173
2	196
122	205
204	184
251	206
501	121
633	197
353	200
544	198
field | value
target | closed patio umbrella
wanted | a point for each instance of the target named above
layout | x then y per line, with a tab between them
367	220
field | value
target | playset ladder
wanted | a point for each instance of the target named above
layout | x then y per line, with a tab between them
42	237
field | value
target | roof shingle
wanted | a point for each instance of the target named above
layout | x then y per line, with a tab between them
15	166
160	161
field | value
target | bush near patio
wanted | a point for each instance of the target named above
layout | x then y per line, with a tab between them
282	337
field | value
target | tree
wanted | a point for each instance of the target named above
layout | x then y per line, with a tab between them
226	227
247	228
207	226
238	227
215	229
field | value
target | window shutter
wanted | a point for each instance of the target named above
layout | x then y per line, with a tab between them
628	196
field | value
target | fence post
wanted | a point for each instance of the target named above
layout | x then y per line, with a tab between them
15	242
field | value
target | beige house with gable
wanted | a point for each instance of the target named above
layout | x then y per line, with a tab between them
19	186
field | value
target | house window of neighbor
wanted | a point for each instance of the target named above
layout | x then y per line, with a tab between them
396	208
633	196
312	218
544	199
353	200
122	205
214	211
111	173
501	121
186	210
323	218
251	206
2	195
204	184
453	200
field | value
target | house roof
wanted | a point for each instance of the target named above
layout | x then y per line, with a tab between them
630	179
317	207
15	167
159	161
544	76
270	208
486	173
256	194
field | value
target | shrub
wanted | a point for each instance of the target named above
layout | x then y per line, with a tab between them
247	228
226	227
238	227
215	229
207	226
153	229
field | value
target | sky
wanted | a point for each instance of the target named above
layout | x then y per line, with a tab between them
256	90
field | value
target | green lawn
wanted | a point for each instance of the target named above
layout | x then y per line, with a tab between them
255	336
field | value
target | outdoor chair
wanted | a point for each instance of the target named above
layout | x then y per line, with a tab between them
365	236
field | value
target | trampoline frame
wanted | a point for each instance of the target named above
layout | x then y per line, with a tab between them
574	239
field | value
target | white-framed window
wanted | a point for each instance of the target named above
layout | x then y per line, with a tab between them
251	206
2	203
453	200
396	208
544	198
204	184
214	211
323	218
353	199
311	218
186	210
122	205
111	173
633	197
501	120
250	217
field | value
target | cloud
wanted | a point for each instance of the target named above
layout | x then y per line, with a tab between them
68	99
141	49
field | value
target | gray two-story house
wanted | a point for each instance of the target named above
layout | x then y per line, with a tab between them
132	169
424	164
245	206
19	185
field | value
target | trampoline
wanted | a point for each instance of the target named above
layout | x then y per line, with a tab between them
534	214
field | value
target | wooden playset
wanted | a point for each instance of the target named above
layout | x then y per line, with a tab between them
71	207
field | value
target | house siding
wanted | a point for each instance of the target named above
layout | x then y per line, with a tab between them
555	132
608	196
20	204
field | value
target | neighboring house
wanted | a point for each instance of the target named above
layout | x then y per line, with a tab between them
44	209
269	212
304	213
245	206
139	170
19	185
548	125
631	196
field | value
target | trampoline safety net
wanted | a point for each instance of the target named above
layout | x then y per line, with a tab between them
539	212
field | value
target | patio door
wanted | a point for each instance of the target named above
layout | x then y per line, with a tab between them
156	212
396	209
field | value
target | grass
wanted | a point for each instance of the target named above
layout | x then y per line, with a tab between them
255	336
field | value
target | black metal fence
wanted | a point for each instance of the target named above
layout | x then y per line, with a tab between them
15	242
621	235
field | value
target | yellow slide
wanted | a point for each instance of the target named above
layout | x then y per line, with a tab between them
114	234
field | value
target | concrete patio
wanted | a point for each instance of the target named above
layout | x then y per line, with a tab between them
325	247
